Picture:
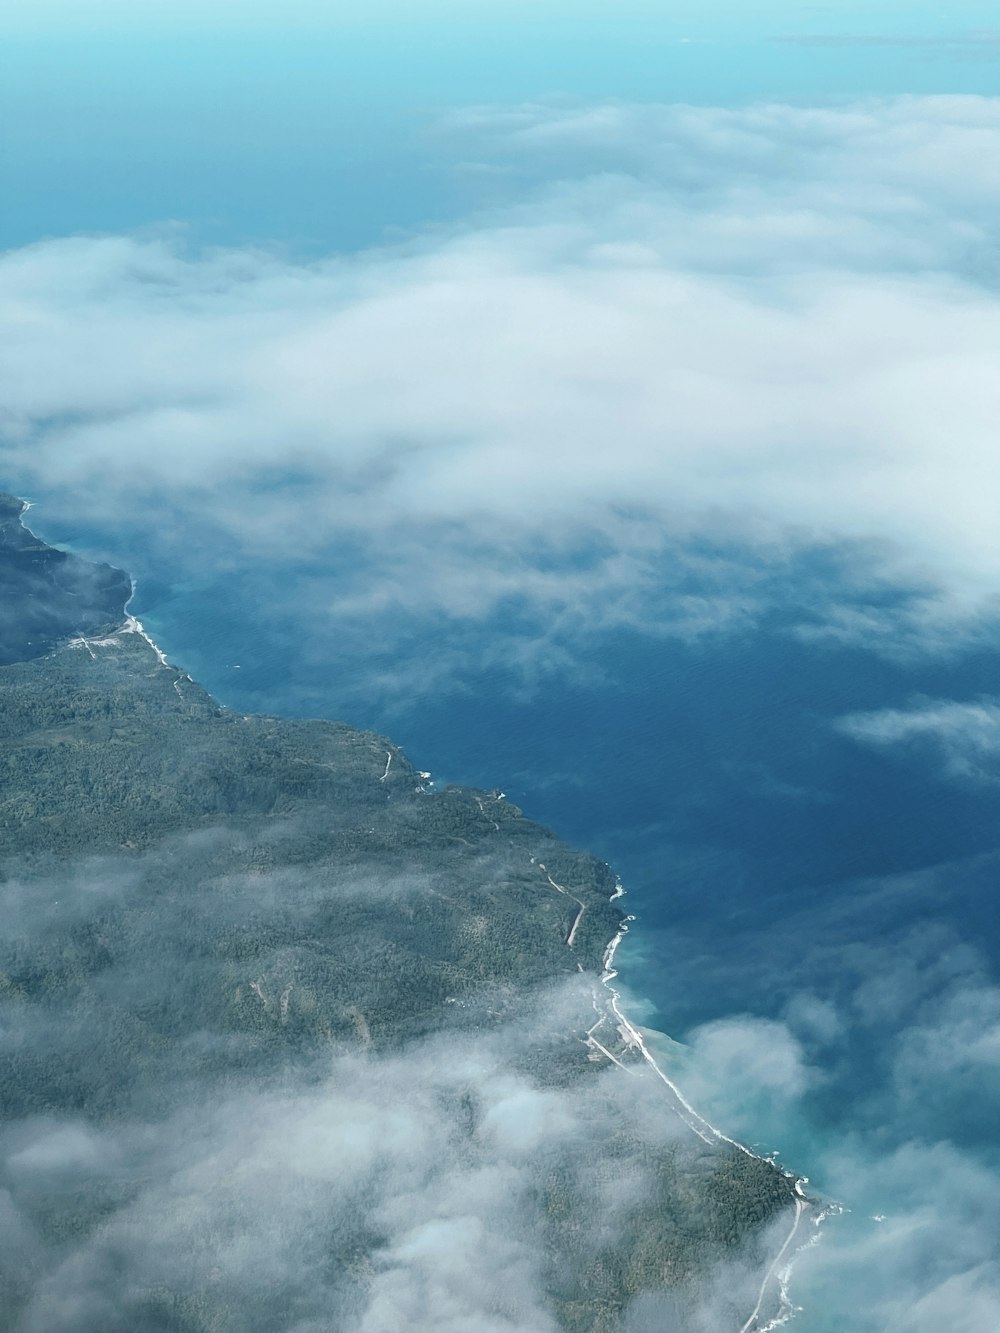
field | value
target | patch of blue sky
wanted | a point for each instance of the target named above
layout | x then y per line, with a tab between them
309	125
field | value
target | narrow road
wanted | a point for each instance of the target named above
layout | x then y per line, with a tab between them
801	1207
561	888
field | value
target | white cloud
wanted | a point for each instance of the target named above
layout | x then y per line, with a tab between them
410	1190
746	1072
775	326
967	735
916	1242
916	1245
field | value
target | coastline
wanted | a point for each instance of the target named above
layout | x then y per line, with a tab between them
778	1274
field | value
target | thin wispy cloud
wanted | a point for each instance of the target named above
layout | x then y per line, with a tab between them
983	42
966	736
911	1160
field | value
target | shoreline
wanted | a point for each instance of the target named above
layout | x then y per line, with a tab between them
629	1033
804	1207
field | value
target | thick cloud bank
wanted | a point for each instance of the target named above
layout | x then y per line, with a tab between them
773	326
965	735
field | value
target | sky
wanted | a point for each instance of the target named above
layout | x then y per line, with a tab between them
473	339
313	125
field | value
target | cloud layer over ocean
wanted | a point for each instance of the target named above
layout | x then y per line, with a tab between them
773	325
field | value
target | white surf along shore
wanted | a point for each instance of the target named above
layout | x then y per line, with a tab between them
808	1217
131	625
773	1307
